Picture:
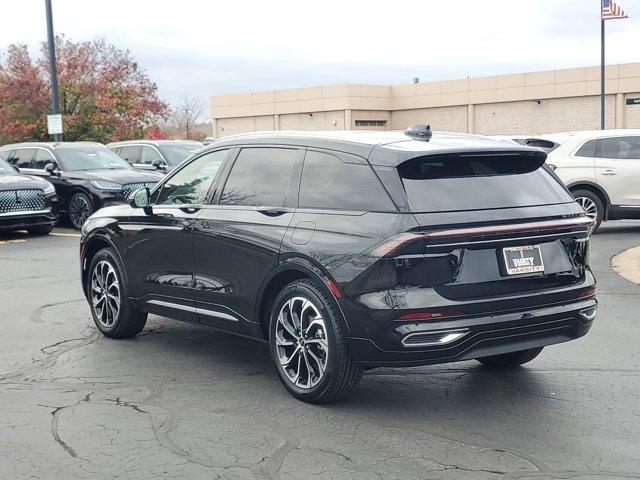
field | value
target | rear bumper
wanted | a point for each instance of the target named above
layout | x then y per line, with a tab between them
481	336
18	220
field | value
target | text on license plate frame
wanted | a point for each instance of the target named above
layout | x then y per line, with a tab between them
532	267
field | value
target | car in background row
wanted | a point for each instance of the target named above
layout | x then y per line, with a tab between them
601	169
351	250
86	175
26	202
162	155
544	144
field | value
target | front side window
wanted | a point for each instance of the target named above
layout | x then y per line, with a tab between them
22	157
149	155
260	177
5	167
622	148
328	182
189	186
588	149
42	159
130	153
89	157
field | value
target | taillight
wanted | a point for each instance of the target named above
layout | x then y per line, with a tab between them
333	287
396	243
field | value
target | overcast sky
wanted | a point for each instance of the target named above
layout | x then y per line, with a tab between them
203	47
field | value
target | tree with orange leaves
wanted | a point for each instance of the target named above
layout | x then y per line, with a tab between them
104	94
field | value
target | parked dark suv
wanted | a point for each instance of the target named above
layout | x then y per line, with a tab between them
26	202
351	250
86	175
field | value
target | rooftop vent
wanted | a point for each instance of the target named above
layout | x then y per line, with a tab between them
419	131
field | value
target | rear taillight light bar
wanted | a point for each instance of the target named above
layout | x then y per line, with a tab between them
402	240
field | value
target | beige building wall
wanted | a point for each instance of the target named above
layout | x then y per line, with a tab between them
313	121
543	116
523	103
448	119
632	112
233	126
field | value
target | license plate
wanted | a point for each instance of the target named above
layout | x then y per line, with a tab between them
521	260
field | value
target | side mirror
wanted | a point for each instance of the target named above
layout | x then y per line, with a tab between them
158	164
141	199
50	168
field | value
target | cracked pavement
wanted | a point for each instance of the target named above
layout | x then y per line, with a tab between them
187	402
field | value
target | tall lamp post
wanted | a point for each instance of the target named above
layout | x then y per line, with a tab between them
55	109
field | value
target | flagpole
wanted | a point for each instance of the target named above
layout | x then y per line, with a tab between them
601	69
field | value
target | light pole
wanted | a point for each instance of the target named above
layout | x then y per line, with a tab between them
52	66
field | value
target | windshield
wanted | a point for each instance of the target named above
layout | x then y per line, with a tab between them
176	153
5	167
439	183
74	159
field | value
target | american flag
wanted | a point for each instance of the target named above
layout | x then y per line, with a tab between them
611	10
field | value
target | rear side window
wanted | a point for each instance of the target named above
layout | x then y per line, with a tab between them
22	157
5	154
260	177
588	149
445	183
328	182
622	148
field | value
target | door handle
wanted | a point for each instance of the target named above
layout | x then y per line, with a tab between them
190	208
609	172
273	211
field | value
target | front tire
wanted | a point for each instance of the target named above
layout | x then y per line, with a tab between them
307	337
512	359
592	206
108	294
80	208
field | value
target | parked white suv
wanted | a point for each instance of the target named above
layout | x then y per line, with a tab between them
601	168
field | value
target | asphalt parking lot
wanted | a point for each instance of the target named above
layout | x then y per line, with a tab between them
182	401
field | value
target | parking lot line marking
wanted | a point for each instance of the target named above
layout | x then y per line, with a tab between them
55	234
4	242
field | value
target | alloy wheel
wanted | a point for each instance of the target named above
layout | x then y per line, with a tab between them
301	342
105	293
589	207
79	210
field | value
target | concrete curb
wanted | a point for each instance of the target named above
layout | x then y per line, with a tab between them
627	264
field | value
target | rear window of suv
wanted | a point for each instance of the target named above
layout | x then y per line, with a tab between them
447	183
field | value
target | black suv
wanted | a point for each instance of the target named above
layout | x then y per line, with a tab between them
86	175
26	202
351	250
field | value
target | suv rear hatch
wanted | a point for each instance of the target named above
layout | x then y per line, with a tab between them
490	224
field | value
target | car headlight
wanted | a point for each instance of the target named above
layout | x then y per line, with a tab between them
49	189
104	185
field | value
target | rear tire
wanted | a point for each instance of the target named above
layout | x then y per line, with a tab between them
40	230
307	337
592	206
108	295
512	359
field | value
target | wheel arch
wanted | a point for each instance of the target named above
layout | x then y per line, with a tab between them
594	188
288	271
90	248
